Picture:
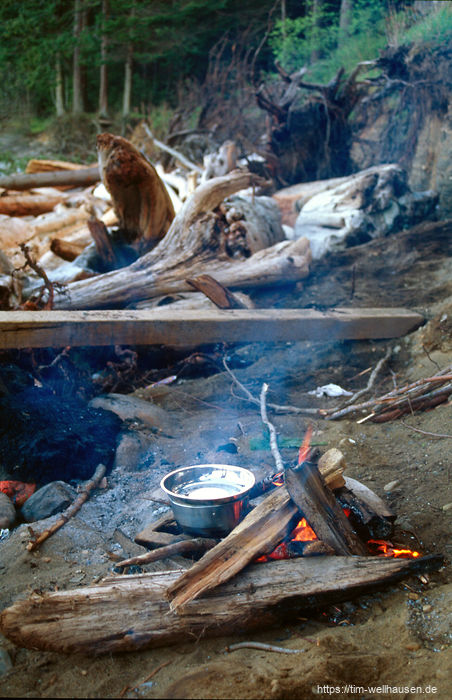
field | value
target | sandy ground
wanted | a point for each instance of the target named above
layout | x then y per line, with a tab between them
398	637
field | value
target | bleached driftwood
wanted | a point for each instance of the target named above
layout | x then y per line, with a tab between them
191	247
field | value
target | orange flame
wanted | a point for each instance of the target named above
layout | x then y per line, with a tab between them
386	549
304	449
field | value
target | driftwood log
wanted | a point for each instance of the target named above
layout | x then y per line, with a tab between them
192	246
26	181
126	613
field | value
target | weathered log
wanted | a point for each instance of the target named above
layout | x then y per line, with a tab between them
28	204
141	200
164	326
65	249
78	178
308	491
127	613
38	165
192	244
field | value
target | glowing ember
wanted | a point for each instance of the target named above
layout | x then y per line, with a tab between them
386	549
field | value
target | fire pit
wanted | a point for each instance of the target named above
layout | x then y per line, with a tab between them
208	499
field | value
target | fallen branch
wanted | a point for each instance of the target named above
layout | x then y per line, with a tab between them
425	432
21	181
271	429
172	151
90	485
372	378
199	544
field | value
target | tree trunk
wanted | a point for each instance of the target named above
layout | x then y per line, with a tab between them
128	69
345	20
77	92
103	85
59	96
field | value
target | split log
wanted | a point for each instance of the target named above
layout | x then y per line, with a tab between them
176	328
258	533
191	246
308	491
78	178
127	613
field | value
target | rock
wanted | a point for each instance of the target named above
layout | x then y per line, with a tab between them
129	408
48	500
7	511
447	508
5	662
131	449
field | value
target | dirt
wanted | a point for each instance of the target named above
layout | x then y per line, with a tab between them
398	637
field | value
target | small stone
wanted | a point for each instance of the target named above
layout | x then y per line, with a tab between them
48	500
413	596
390	486
5	662
447	507
414	646
427	608
7	512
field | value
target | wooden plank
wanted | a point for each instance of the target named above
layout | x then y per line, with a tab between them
172	327
127	613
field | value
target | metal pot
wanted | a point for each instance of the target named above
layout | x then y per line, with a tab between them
208	499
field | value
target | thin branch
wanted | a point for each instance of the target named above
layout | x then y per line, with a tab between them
271	428
199	544
72	510
425	432
276	407
372	378
262	647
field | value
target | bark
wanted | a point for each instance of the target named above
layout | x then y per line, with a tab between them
127	613
59	95
77	91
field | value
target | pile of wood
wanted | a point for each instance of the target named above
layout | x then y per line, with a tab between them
226	590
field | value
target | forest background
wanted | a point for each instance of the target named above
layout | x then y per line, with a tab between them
71	68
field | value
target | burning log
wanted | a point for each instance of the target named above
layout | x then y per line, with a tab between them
127	613
258	533
369	515
319	506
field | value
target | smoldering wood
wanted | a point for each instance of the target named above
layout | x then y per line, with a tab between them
186	327
127	613
308	491
80	178
258	533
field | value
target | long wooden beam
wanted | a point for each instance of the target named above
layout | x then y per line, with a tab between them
164	326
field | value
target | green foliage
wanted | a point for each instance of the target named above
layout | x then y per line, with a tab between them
316	41
434	28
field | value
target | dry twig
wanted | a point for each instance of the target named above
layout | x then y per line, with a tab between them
72	510
262	647
271	429
198	544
